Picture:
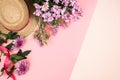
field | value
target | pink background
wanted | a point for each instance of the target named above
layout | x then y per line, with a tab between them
56	61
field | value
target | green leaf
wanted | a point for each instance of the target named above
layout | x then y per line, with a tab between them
15	58
11	71
46	36
38	1
26	53
19	52
9	46
0	32
2	71
55	22
12	35
19	56
23	54
1	41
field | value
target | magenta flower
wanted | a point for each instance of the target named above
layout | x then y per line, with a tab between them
76	12
65	2
76	17
67	17
72	2
22	67
45	6
37	6
56	11
63	11
38	10
17	43
56	1
47	17
76	9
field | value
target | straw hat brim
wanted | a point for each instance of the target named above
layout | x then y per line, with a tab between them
30	27
26	31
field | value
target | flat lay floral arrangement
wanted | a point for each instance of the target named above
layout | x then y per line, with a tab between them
50	15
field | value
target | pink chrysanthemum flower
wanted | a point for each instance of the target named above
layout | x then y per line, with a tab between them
18	42
22	67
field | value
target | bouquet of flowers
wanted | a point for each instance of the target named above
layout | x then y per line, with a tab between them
17	62
54	13
50	14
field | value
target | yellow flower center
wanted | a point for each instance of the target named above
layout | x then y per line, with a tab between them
45	5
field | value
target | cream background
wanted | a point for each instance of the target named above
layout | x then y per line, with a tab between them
99	57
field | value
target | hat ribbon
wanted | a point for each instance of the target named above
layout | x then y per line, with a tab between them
7	59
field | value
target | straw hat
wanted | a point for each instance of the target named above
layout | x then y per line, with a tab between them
16	15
